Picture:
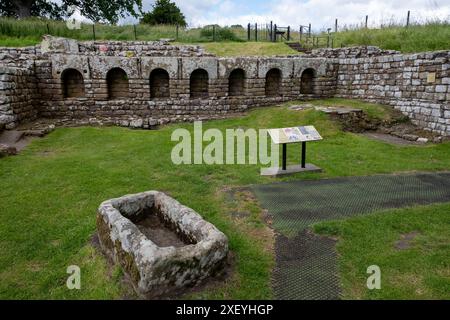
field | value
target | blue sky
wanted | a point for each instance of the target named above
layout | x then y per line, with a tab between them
320	13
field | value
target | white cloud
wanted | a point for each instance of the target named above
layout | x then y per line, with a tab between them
320	13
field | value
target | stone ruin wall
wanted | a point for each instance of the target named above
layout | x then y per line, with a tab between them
416	84
48	62
18	86
32	85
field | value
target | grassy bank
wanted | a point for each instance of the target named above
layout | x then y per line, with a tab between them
51	190
415	38
230	41
30	31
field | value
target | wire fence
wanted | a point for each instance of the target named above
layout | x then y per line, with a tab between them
305	36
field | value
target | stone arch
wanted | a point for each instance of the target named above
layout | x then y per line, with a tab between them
273	82
159	84
72	83
198	83
117	81
236	82
307	81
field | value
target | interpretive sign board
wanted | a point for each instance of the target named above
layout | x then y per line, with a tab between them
284	136
294	134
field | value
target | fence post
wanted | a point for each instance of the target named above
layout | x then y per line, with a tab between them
289	33
135	33
176	35
309	30
336	25
248	32
407	19
256	32
300	34
93	30
275	33
367	18
271	31
214	33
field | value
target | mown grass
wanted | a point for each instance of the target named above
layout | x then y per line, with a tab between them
236	49
51	190
420	271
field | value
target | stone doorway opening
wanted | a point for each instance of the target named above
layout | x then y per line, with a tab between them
236	83
273	82
199	84
307	81
72	83
159	84
118	86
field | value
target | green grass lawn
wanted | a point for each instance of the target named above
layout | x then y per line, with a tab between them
419	271
51	190
236	49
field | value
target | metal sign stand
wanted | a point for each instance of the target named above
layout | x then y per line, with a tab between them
303	167
303	161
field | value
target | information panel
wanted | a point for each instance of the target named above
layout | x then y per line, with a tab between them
294	134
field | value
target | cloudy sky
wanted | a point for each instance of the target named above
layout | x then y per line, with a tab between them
321	13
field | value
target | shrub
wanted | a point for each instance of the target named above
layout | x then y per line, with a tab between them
222	34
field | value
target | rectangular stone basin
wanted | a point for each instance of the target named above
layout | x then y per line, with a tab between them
162	245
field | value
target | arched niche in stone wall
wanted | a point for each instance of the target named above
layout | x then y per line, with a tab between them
198	83
273	82
159	84
72	83
307	81
236	82
117	81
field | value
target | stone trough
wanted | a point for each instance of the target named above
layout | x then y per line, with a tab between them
162	246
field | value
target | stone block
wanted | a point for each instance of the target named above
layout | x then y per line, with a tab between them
162	245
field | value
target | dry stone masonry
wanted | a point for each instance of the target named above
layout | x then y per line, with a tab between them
143	84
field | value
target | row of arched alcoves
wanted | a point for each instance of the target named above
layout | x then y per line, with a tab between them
118	85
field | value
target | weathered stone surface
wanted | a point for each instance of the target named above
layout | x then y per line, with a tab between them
156	270
31	82
410	137
6	150
422	140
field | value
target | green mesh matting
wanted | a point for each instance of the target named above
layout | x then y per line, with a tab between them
306	265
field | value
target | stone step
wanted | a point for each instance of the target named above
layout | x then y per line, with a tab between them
10	136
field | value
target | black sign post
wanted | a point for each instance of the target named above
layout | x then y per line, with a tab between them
284	136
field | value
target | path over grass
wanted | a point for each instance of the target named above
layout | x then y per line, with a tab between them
305	263
50	193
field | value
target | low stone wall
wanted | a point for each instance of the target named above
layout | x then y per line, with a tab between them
18	98
138	106
350	52
416	84
141	48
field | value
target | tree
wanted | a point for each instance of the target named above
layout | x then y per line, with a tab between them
39	8
164	12
95	10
